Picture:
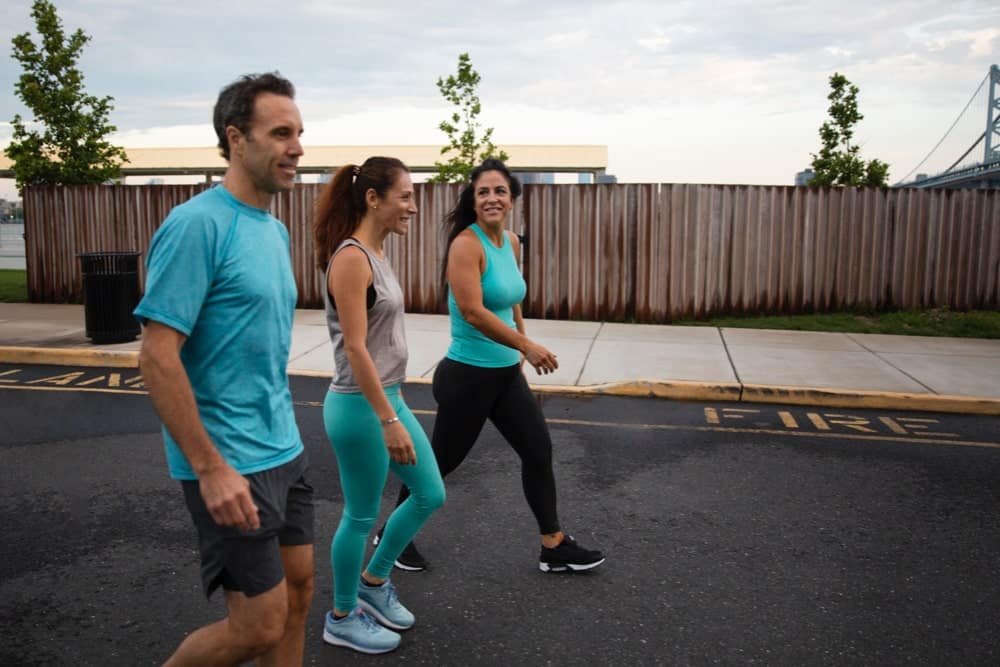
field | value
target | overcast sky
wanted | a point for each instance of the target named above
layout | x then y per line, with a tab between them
684	92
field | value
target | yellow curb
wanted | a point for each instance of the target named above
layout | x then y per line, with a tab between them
678	390
69	357
851	398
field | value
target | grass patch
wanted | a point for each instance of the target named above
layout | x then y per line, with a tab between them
929	322
13	286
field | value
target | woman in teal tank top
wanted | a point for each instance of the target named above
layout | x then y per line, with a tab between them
480	377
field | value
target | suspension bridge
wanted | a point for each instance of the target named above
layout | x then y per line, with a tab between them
978	165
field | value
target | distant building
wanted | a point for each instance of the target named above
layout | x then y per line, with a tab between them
203	164
549	177
804	176
529	177
9	209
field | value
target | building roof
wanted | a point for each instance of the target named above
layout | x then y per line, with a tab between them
321	159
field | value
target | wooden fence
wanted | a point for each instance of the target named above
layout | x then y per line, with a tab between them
645	252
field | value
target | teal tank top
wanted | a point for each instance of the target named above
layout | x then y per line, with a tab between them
503	288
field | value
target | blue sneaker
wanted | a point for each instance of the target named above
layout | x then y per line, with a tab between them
360	632
382	603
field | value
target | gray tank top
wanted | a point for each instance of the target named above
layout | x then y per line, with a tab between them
386	341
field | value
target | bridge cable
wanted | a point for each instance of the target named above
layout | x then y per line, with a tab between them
938	144
966	153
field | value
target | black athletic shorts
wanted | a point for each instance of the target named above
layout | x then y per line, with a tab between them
250	561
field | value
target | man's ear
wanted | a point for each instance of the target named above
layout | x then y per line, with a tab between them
235	138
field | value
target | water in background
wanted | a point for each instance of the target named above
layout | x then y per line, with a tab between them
12	246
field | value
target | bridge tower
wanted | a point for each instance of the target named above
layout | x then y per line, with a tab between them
992	139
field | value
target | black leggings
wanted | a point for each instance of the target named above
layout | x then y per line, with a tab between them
469	395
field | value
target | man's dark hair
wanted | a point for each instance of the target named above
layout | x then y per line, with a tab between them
235	104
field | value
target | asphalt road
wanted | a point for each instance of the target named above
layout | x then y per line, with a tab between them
735	535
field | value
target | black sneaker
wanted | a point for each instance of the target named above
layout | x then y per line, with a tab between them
568	557
410	560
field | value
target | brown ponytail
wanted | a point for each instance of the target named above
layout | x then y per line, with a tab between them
341	203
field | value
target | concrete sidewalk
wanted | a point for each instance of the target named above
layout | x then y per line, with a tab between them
686	363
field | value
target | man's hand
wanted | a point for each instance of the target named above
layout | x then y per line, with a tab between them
225	492
227	497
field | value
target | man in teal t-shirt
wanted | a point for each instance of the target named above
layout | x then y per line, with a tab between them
217	315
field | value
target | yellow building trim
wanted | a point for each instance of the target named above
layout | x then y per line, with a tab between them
320	159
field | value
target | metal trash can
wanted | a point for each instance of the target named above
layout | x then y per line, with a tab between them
110	294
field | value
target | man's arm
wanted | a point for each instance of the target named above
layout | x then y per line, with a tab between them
226	492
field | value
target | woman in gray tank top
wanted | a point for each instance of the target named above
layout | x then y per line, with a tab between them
367	421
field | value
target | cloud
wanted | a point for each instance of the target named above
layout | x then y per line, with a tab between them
728	90
173	136
984	43
839	53
567	39
658	43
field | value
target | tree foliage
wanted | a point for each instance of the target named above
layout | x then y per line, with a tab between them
838	161
465	147
65	143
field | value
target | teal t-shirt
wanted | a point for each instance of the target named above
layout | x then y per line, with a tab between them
503	288
219	272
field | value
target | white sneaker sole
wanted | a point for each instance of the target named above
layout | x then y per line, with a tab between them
408	568
334	640
568	567
378	616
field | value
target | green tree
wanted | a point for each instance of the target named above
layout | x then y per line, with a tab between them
838	161
69	147
465	146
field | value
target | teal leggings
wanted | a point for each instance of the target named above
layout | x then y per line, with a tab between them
363	461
